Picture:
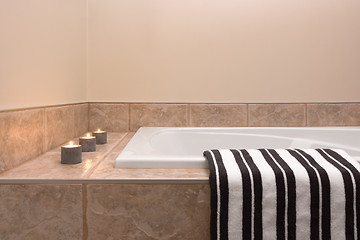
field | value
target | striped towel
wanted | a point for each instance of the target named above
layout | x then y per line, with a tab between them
284	194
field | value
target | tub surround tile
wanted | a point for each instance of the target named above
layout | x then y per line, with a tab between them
277	115
59	125
337	114
148	211
21	136
157	115
48	166
41	212
218	115
112	117
81	118
118	149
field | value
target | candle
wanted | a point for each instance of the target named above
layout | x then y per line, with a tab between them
88	143
71	154
101	136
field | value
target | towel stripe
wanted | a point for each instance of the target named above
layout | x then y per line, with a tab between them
258	195
280	195
291	198
213	195
325	196
247	195
349	195
224	195
314	195
356	175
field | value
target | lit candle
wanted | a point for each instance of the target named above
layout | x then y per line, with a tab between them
101	136
71	154
88	143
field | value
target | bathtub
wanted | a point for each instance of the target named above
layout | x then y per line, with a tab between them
159	147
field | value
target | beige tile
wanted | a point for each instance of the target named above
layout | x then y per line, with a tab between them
347	114
21	136
148	211
218	115
81	119
48	165
112	117
59	125
157	115
34	212
277	115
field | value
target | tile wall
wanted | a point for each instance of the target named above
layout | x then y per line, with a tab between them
135	115
25	134
126	211
104	211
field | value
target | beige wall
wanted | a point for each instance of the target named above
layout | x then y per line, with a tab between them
42	52
178	51
224	51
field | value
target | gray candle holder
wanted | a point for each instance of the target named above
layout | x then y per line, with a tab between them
71	154
88	144
101	137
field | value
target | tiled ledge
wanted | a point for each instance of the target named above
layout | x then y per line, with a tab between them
96	168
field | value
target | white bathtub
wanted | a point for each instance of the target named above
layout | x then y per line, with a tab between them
158	147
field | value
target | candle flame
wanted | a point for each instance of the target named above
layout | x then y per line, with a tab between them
88	134
99	130
71	143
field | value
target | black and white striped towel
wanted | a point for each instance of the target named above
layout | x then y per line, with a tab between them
284	194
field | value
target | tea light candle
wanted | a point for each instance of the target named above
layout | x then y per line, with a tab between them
71	154
88	143
101	136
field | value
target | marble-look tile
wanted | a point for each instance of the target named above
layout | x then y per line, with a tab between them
148	211
21	136
36	212
218	115
59	125
112	117
336	114
48	165
277	115
81	118
123	143
157	115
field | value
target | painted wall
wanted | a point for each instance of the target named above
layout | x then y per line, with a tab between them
224	50
42	52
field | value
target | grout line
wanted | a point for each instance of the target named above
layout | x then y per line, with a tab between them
73	121
247	115
105	181
93	168
129	104
188	115
306	115
84	211
88	113
45	131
